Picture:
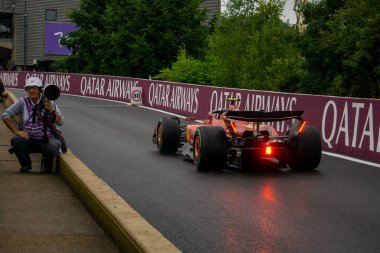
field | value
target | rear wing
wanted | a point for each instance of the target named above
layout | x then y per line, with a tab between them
260	116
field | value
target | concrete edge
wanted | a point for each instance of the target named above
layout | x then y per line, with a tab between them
129	230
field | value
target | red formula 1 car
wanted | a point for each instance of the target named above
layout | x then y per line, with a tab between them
241	138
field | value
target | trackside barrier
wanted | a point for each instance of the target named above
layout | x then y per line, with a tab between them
348	126
129	230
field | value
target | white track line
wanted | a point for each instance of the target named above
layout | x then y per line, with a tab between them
352	159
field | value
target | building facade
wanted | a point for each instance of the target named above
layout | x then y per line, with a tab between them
30	30
213	7
29	23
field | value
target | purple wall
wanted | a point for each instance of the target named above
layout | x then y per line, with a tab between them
53	33
347	126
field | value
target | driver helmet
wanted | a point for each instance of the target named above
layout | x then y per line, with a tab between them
233	106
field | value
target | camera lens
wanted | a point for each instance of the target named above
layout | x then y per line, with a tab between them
51	92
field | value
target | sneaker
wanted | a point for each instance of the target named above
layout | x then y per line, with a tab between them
25	169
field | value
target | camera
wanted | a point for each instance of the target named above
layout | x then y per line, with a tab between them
51	92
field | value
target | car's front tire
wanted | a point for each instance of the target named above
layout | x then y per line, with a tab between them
168	135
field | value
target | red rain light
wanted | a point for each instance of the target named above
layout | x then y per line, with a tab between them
268	150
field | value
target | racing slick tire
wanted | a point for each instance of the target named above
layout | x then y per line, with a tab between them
306	154
168	135
210	148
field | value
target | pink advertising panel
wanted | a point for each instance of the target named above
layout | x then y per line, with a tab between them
348	126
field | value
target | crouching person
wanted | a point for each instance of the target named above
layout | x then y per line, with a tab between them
34	133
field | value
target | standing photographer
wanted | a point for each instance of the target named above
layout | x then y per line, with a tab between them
34	132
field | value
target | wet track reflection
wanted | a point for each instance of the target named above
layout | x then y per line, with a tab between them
334	209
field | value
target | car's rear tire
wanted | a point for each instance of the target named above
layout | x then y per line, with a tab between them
210	148
306	154
168	135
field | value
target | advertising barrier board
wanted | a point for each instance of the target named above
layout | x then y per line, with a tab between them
348	126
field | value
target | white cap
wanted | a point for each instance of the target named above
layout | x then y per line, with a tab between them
33	82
